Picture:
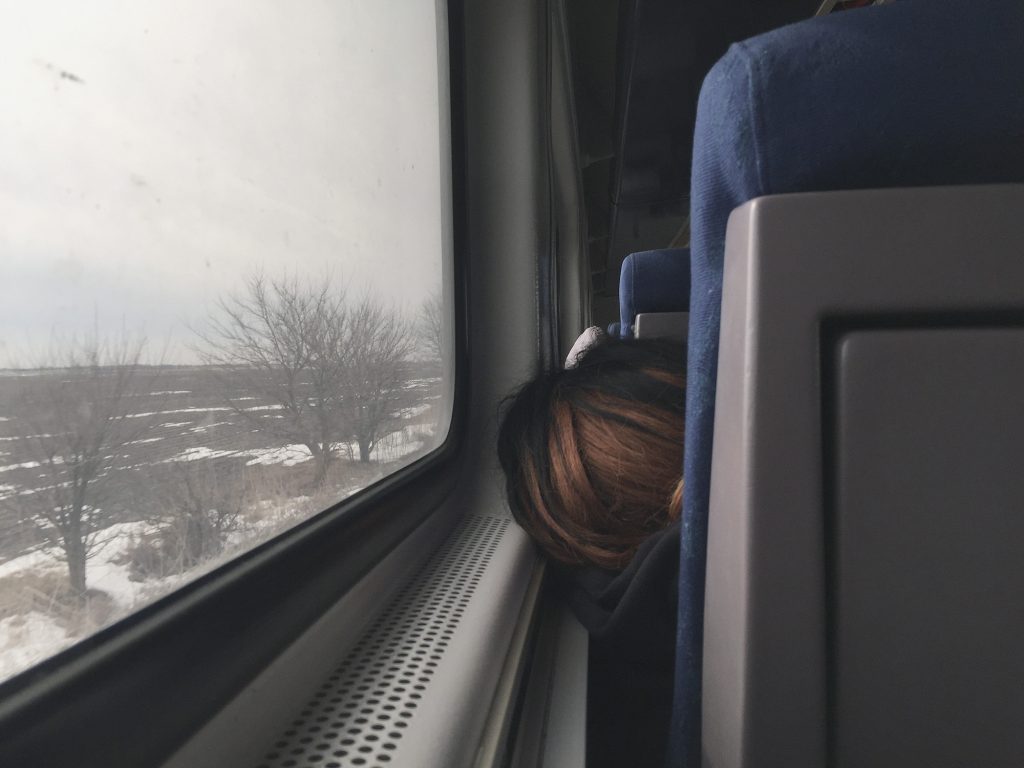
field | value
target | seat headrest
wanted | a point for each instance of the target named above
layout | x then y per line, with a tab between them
653	281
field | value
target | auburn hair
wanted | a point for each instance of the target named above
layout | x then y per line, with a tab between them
593	455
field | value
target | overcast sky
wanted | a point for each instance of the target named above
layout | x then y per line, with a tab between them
154	153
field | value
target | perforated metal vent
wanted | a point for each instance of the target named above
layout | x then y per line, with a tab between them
362	710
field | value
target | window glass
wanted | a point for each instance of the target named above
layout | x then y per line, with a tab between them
224	282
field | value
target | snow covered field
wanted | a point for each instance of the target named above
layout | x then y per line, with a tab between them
29	637
194	436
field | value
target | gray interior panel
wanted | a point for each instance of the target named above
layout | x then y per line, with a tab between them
810	556
927	538
662	325
406	693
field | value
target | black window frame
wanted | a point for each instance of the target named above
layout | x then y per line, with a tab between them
134	692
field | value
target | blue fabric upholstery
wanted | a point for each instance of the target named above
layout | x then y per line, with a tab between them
916	93
653	281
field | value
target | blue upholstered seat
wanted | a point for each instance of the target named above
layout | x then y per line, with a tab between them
653	281
916	93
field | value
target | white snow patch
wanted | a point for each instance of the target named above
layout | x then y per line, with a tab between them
33	491
204	409
171	424
25	437
28	639
204	427
29	465
37	560
289	456
103	574
178	410
172	392
200	452
145	440
413	383
416	410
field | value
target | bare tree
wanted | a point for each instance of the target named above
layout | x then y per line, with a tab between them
198	505
438	347
281	340
202	509
76	426
431	327
331	372
374	372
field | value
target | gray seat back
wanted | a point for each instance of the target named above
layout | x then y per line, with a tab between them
865	574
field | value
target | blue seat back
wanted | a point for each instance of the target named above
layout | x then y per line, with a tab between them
915	93
653	281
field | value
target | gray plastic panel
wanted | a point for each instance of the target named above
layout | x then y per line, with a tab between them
799	270
928	534
662	325
408	692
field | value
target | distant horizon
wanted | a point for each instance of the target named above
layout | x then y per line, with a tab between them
9	370
134	365
175	353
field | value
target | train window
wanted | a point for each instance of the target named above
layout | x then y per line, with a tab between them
225	248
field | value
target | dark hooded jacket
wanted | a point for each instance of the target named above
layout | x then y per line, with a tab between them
631	618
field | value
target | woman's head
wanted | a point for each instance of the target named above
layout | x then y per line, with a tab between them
593	455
